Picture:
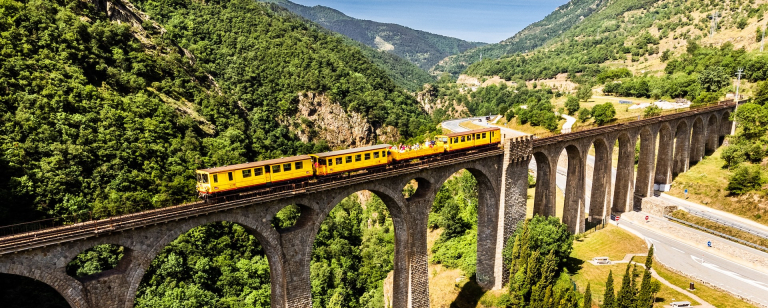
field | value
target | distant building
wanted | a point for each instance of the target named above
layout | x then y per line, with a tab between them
624	102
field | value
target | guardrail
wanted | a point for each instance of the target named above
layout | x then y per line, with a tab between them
726	223
758	247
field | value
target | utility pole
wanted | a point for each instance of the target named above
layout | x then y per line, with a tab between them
738	83
714	24
762	41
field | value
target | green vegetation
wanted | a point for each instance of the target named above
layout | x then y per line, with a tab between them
216	265
421	48
604	113
95	260
455	212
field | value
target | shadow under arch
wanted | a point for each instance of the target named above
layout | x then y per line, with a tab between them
697	141
601	182
625	169
573	205
682	148
25	292
713	135
725	126
645	167
236	232
544	194
664	159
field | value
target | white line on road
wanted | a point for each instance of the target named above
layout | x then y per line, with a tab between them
677	249
711	266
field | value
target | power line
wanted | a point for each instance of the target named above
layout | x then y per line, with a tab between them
738	83
714	24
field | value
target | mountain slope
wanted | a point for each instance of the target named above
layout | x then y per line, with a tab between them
419	47
528	39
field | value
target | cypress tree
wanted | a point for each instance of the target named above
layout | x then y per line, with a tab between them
587	298
609	299
645	297
626	295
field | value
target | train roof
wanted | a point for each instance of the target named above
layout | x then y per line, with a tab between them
354	150
472	132
257	164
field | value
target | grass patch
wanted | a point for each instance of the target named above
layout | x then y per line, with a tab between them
714	297
706	182
470	125
527	128
706	223
614	243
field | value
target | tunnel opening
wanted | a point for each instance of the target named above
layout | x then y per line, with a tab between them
24	292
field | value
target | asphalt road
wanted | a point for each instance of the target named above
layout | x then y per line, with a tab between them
721	217
703	265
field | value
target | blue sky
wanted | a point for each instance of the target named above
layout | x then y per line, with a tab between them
481	20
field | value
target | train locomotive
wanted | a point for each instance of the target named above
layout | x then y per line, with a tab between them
238	178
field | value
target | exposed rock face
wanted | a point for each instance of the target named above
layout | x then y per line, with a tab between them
319	118
430	102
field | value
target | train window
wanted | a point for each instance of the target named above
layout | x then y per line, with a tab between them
330	162
367	156
477	136
197	175
358	157
321	162
338	160
246	173
205	178
275	168
375	154
298	165
462	138
230	176
215	178
287	167
349	159
257	171
445	139
483	135
383	153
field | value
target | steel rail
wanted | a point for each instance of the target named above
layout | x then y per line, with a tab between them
52	236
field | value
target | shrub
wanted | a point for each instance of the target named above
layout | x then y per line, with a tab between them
584	92
755	153
652	111
745	179
603	113
733	155
572	105
584	114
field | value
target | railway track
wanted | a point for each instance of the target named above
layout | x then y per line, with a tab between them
78	231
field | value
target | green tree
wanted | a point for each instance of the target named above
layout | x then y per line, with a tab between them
753	119
584	114
572	105
646	295
761	93
587	301
713	79
626	296
745	179
759	34
603	113
666	55
651	111
609	298
584	92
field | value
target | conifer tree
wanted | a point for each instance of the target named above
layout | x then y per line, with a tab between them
626	295
609	299
645	297
587	298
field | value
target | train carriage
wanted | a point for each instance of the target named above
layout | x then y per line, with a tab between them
228	178
473	138
351	159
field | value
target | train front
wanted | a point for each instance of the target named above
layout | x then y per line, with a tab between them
203	184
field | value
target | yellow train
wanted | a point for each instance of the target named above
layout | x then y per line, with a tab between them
295	169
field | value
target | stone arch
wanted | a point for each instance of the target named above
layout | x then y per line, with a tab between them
645	167
682	148
263	232
625	169
487	218
664	161
306	216
394	200
544	194
601	181
12	287
122	263
697	141
713	135
726	125
66	286
574	208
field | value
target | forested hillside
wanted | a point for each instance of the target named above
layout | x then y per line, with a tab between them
117	116
419	47
528	39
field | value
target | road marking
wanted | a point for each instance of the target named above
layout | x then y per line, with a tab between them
677	249
761	285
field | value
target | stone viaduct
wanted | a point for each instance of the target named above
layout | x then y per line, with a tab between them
681	139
